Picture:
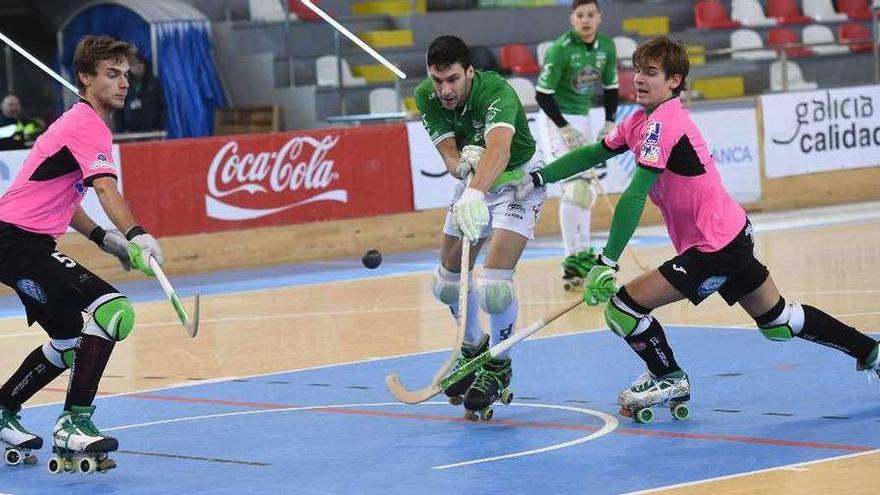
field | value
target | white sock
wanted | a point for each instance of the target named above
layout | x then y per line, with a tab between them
574	222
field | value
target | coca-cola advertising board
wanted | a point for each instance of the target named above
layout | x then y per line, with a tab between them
235	182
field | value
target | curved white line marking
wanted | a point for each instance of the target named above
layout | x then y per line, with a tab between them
610	425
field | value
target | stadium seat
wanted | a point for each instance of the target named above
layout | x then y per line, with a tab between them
819	33
858	10
625	47
328	75
852	32
795	77
383	100
518	59
787	12
525	90
627	88
750	13
709	14
822	11
780	36
302	12
267	10
541	50
748	39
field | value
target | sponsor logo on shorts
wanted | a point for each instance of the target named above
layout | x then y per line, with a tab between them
32	289
710	285
679	269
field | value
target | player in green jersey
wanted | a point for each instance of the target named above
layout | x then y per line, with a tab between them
478	125
573	65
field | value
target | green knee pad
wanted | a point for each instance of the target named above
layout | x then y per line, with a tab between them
620	322
116	318
777	333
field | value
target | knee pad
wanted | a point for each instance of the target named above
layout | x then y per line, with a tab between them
445	286
495	291
622	318
579	192
60	352
783	322
112	319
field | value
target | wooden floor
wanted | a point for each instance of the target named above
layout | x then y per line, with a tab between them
836	268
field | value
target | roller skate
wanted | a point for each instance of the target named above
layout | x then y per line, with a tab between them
78	445
456	391
16	440
491	384
672	389
576	267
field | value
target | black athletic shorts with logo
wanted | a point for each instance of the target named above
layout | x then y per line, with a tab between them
54	289
733	271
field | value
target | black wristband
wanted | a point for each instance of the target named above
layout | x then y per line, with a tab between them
537	179
134	231
97	235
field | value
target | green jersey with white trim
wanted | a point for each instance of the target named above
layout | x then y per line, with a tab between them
492	103
572	68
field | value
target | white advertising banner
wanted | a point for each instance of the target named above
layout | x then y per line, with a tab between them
818	131
11	162
732	136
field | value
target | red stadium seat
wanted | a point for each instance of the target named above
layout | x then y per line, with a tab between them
627	87
780	36
787	12
302	12
859	10
518	59
856	32
710	14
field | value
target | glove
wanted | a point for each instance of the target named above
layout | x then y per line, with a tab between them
601	282
471	214
605	130
470	158
141	247
522	183
112	242
572	137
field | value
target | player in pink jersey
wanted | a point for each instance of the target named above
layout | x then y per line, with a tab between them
42	201
710	232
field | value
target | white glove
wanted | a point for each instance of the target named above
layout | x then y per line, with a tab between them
141	247
605	130
471	214
114	243
470	158
572	137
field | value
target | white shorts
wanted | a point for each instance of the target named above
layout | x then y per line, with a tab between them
551	142
504	212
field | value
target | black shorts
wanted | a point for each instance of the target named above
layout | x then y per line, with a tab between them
733	271
54	289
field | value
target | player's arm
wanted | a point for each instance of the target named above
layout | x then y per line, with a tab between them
110	241
611	91
449	152
142	245
494	159
628	212
82	222
547	104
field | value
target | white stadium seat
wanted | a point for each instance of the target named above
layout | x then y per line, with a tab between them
750	13
742	39
625	47
525	90
822	11
327	72
384	100
818	33
541	50
795	77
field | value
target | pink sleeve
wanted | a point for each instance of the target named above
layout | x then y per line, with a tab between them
616	139
656	143
92	146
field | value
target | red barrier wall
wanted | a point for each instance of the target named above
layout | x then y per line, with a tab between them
235	182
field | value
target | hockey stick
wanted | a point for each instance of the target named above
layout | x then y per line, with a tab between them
190	325
607	201
416	396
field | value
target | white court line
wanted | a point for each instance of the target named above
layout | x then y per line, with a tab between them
611	424
749	473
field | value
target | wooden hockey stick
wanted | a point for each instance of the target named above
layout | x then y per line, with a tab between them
191	325
416	396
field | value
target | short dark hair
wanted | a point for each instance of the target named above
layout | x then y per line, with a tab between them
447	50
91	50
672	56
577	3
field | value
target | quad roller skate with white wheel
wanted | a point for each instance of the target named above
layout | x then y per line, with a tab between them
456	391
78	446
575	269
672	390
17	442
492	384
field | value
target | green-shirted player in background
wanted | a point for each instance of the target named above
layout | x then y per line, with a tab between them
573	65
478	125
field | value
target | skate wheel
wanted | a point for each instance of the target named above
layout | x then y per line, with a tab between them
506	397
456	400
680	412
87	465
13	457
55	465
470	415
486	414
644	415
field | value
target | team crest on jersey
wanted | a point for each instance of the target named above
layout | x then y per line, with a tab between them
32	289
650	153
101	161
652	132
710	285
492	111
584	81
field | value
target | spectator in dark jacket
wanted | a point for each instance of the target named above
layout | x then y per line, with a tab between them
144	108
